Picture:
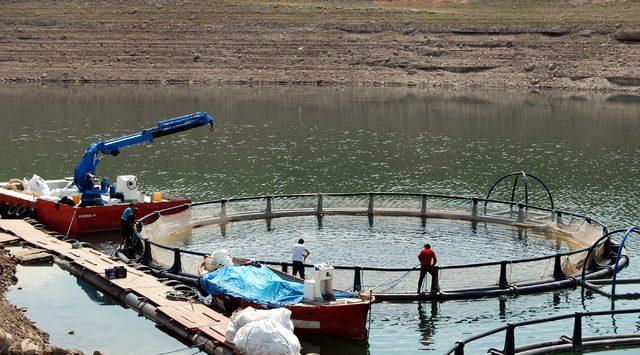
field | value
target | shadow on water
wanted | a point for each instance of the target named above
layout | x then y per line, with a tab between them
327	345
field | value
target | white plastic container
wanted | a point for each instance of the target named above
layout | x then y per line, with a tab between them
127	185
309	290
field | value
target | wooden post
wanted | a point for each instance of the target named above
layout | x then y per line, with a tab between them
576	340
423	206
319	207
474	207
176	268
557	268
357	279
435	283
223	211
503	282
510	341
146	255
520	213
269	210
459	348
370	208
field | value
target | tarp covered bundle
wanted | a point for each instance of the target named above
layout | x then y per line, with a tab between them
255	284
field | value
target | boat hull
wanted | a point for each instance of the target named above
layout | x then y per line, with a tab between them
75	220
92	219
346	321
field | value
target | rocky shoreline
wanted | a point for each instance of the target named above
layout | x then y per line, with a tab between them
22	335
565	45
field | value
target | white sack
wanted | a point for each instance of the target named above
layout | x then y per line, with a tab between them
65	191
37	185
218	259
248	315
266	337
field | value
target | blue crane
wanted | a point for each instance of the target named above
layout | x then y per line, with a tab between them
85	170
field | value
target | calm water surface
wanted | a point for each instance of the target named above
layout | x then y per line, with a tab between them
286	140
61	304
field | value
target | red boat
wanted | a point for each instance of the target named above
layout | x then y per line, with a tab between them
341	318
84	204
70	218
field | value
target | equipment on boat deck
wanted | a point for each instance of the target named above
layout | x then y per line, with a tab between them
318	287
127	185
85	170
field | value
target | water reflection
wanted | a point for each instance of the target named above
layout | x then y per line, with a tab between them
95	295
427	315
273	140
58	302
327	345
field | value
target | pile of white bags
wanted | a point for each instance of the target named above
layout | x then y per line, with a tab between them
263	332
67	191
37	185
218	258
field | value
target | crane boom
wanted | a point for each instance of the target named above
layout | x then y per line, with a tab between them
86	168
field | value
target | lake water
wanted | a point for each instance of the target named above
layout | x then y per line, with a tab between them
273	140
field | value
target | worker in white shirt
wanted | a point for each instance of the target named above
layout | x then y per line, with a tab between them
299	255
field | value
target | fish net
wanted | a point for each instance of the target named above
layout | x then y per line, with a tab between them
173	230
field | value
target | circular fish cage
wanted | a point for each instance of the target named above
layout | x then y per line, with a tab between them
574	341
591	251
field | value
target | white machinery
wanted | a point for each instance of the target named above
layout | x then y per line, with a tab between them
319	287
127	185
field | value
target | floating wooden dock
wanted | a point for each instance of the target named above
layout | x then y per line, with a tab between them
193	321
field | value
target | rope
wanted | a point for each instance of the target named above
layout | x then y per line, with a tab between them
181	349
396	281
18	185
181	295
70	223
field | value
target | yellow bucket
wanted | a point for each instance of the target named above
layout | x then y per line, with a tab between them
157	196
76	199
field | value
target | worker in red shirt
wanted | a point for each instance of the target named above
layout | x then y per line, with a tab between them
428	261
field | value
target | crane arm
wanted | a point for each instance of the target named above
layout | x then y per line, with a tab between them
86	168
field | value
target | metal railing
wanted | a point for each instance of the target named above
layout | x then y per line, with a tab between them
423	208
510	348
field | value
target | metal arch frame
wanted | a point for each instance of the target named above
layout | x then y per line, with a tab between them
635	229
525	178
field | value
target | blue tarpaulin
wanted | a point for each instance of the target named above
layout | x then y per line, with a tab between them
256	284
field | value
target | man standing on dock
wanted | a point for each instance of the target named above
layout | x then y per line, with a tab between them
299	255
428	262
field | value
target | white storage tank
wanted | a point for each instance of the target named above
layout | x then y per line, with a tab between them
127	185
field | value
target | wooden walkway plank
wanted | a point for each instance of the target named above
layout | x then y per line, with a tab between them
8	238
192	316
32	256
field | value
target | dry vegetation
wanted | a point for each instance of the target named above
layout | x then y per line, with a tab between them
505	44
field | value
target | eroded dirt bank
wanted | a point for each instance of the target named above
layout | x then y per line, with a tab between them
527	45
26	338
